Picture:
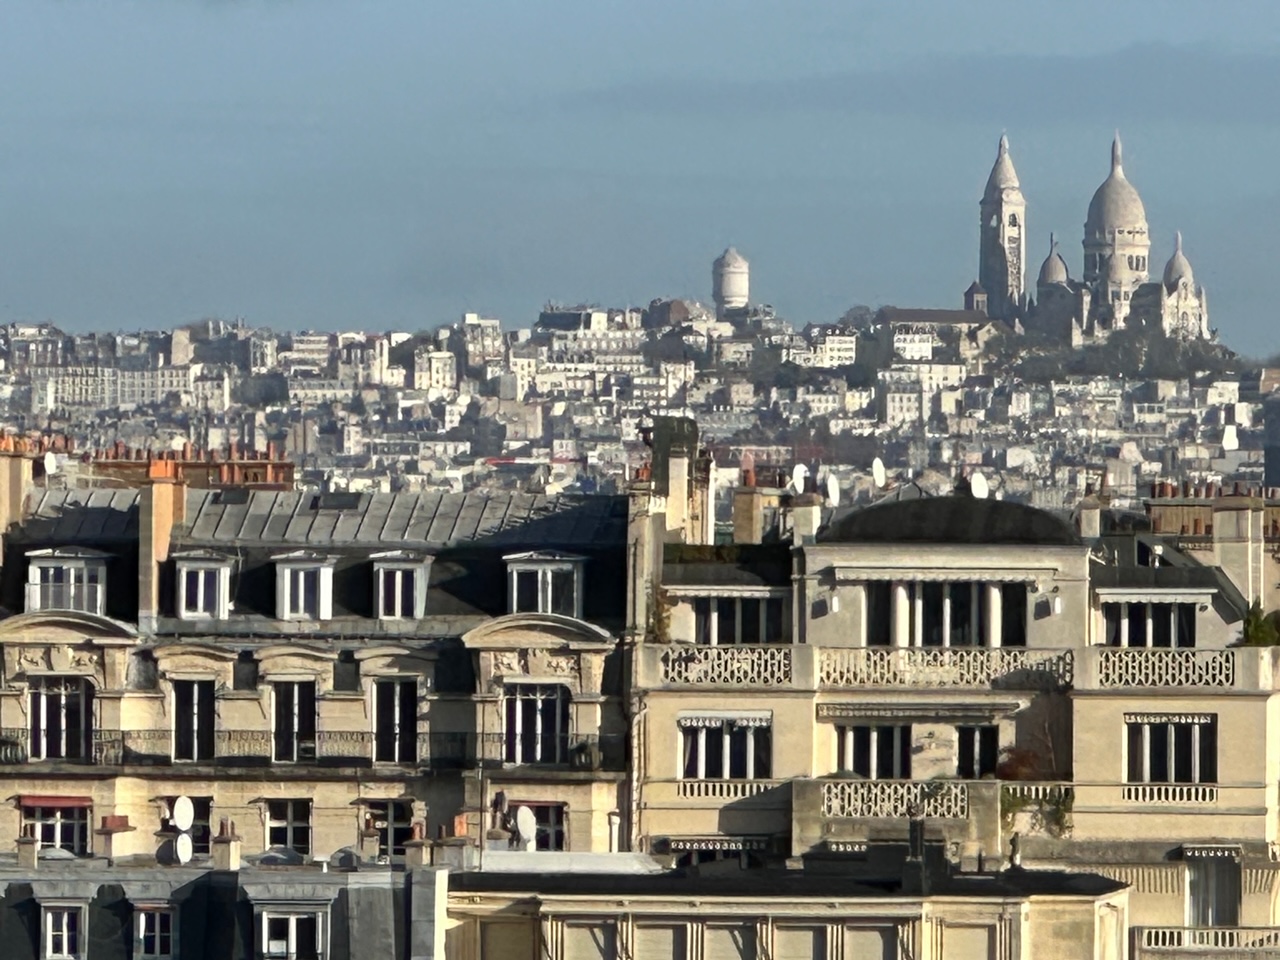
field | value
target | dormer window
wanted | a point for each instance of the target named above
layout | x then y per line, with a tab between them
61	579
204	587
304	586
545	582
400	585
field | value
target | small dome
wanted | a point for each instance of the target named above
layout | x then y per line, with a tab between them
1003	176
731	258
1116	204
1178	268
1054	268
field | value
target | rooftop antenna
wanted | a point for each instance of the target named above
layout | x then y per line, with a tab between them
798	475
877	473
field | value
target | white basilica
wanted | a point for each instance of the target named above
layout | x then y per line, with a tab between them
1115	291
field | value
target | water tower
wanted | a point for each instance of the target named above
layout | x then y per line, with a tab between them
730	281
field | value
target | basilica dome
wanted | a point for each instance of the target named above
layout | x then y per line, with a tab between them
1054	268
1116	205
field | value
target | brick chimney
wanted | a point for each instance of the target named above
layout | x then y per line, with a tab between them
164	502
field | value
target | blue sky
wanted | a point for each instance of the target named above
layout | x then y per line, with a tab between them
391	163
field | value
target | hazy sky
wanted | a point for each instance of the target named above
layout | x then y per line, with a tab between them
391	163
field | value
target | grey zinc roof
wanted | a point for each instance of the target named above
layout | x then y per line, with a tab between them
396	519
81	516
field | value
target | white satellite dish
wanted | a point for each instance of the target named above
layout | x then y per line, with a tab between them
50	463
182	847
526	827
798	474
877	473
833	490
979	487
184	813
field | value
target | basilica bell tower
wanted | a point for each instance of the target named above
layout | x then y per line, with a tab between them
1002	245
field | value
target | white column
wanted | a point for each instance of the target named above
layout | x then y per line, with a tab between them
917	612
946	614
873	753
702	753
1195	753
1124	624
726	750
751	753
860	597
995	607
848	747
1146	753
901	615
1150	638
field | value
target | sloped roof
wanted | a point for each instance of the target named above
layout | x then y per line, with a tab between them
80	516
432	520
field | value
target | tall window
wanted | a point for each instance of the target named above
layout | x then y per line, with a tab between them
289	825
1213	890
63	930
1149	624
723	620
66	583
292	936
1171	748
295	720
977	751
193	721
537	723
154	934
304	586
395	717
731	749
200	831
875	752
61	718
66	828
393	820
545	583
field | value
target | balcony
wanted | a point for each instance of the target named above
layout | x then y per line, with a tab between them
934	667
82	597
723	790
1245	943
466	750
804	667
895	799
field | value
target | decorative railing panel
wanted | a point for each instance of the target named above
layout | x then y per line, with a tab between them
1014	667
1172	793
752	666
722	789
1138	667
243	744
149	747
932	799
1253	942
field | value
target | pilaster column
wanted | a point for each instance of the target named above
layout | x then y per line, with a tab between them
995	607
901	615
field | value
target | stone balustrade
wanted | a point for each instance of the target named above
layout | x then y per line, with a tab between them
934	667
897	799
1256	943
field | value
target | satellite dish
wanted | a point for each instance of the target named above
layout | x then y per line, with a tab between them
877	473
526	827
182	847
979	487
798	474
184	813
50	464
833	490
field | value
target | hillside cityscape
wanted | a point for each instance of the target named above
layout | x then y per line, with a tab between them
683	631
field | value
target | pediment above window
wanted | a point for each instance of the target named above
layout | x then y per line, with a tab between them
539	630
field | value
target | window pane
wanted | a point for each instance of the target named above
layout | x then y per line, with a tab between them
562	599
690	737
192	586
406	593
307	945
1135	755
311	593
389	578
526	591
1159	753
750	612
764	753
1209	752
775	629
726	628
384	714
1111	624
738	746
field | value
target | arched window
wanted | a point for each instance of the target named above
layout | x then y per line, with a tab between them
1013	219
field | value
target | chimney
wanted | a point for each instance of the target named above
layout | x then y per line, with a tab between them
417	851
1089	518
678	492
748	515
28	852
806	515
1238	543
15	481
225	847
163	505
